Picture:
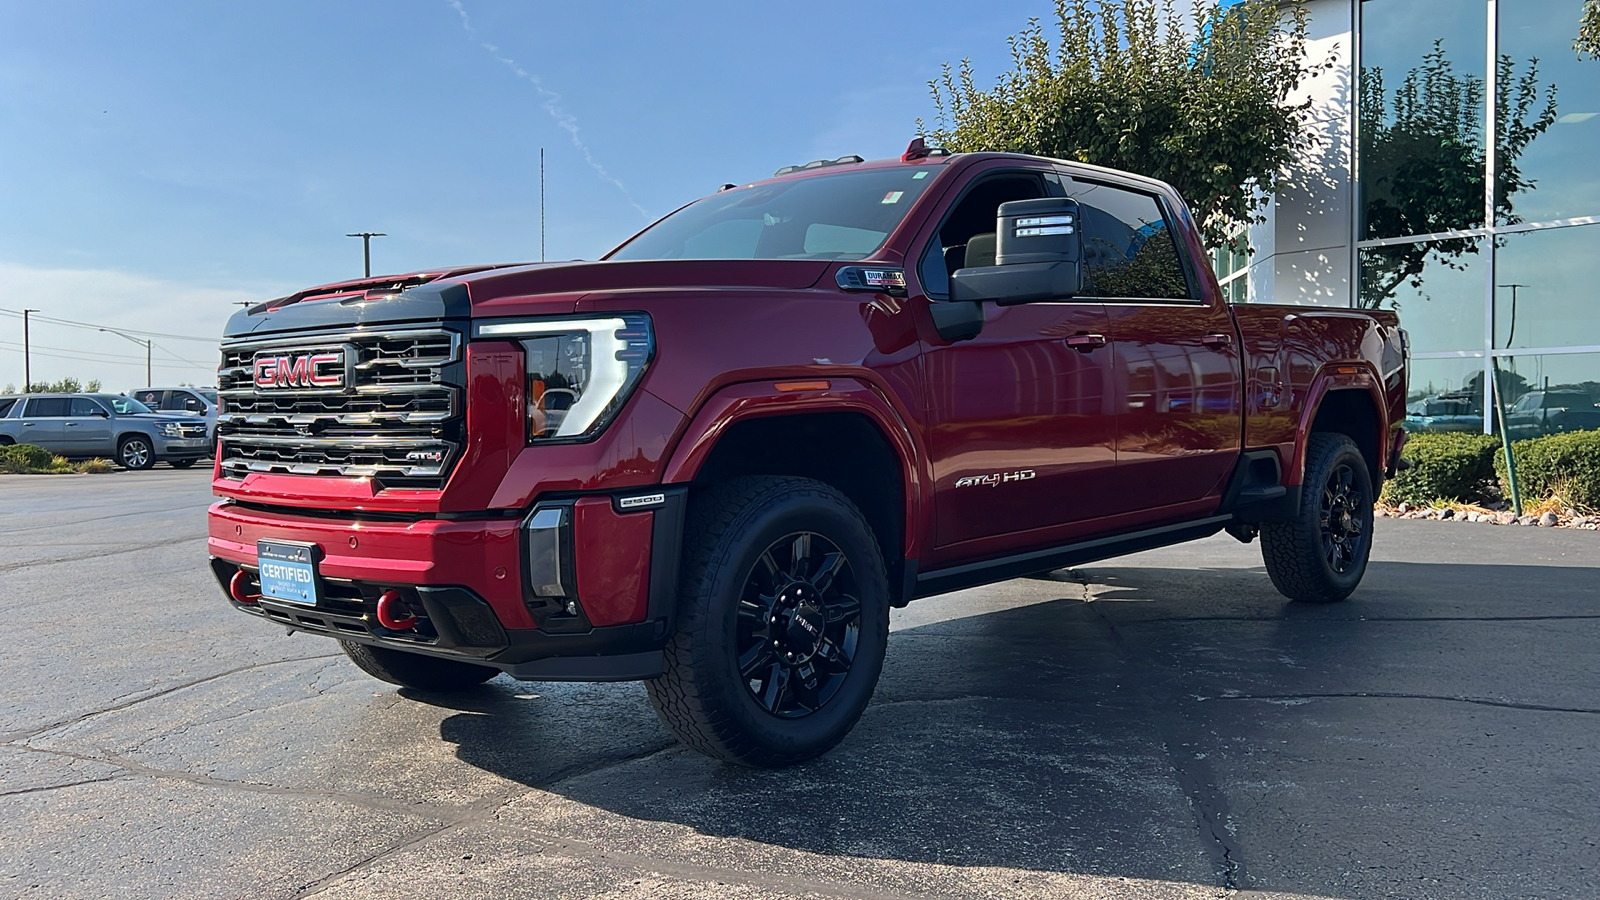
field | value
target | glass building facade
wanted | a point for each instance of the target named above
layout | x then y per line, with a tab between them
1460	148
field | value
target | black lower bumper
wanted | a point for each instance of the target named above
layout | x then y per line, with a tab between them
455	623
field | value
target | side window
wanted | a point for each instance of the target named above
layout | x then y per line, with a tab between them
967	236
190	403
1128	247
47	407
83	407
151	399
6	403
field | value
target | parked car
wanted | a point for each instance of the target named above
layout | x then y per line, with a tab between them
715	459
108	425
1550	412
1437	413
190	401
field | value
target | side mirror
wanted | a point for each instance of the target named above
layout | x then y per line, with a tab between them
101	414
1038	256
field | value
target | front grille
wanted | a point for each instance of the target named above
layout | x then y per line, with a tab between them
397	417
192	431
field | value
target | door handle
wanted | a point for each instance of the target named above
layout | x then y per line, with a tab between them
1086	343
1217	340
71	424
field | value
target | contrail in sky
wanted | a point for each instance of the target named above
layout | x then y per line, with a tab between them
552	104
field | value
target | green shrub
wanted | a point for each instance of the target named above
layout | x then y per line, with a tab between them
1452	466
1557	465
25	458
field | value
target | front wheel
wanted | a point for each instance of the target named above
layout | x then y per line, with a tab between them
135	452
1321	555
413	670
783	623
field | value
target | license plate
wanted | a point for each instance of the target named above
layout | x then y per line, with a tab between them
288	571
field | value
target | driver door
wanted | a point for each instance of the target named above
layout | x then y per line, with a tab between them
1022	430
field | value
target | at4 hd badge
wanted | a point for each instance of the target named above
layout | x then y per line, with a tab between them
995	479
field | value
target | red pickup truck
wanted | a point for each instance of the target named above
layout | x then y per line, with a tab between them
714	459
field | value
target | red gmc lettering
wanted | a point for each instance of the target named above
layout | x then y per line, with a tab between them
299	371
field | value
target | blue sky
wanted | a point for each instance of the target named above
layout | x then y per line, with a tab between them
163	159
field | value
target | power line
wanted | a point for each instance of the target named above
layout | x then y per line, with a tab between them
16	313
9	347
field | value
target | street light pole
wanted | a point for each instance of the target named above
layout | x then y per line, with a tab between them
27	367
148	382
366	249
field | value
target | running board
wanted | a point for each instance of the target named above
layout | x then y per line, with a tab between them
943	581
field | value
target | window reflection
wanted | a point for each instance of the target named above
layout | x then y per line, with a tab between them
1550	394
1440	303
1445	395
1546	291
1559	165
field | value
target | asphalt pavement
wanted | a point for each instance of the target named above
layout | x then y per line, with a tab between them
1158	726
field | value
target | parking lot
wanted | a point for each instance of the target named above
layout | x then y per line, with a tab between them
1158	726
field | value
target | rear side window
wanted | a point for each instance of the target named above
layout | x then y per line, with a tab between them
1128	246
47	407
6	403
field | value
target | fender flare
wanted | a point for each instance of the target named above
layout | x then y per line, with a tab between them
790	397
1358	375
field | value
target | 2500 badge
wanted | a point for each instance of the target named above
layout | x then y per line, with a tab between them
995	479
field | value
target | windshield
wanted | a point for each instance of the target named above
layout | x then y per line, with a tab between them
211	396
123	405
840	215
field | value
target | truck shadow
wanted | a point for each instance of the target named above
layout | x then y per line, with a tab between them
1106	738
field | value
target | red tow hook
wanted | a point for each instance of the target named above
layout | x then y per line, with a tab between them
392	612
239	589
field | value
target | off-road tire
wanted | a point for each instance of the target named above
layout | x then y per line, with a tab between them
702	697
1298	553
413	670
181	463
128	456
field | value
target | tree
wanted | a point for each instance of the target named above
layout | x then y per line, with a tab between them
68	385
1422	163
1196	99
1588	42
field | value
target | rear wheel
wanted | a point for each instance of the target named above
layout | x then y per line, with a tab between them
783	622
1321	556
135	452
413	670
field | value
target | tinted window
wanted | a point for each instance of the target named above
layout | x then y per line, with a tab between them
855	208
209	395
972	216
47	406
1128	248
151	399
190	403
83	407
5	405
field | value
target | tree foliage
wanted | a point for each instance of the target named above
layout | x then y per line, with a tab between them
1423	166
68	385
1588	42
1198	98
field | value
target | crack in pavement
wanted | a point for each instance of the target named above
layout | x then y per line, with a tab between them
57	787
99	554
12	737
1392	695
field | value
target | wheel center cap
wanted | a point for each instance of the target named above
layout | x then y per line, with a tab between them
805	630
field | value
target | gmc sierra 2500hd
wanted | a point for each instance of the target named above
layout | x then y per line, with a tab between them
714	459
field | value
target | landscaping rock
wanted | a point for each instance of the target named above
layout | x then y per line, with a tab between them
1506	518
1404	507
1549	520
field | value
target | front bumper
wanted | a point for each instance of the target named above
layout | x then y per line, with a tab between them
182	448
466	581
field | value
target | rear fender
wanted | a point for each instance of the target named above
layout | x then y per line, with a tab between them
1341	376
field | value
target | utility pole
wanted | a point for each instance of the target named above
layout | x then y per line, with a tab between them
366	249
148	382
1510	337
541	204
27	368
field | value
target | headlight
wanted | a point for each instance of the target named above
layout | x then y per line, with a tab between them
580	371
169	429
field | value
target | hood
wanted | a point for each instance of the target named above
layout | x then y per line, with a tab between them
480	290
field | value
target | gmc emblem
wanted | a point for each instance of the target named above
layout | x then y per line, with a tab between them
319	370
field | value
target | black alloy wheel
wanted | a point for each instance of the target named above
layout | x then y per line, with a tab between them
798	625
1321	554
1344	531
782	622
